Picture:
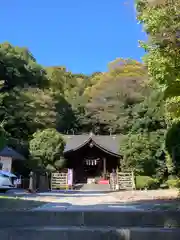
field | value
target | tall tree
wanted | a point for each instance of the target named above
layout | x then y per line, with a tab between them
161	21
46	149
19	68
143	148
162	24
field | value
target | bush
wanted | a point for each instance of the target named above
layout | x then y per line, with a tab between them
146	182
173	183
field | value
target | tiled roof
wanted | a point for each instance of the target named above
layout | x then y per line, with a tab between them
111	143
9	152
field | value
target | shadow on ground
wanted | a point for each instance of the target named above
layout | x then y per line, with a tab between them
157	204
30	201
68	215
13	204
168	208
143	205
58	193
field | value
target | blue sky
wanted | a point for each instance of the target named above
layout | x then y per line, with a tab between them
83	35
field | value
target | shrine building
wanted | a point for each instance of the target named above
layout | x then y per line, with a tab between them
92	156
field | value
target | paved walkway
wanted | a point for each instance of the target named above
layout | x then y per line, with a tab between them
72	200
82	201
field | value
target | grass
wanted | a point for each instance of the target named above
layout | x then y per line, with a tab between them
10	203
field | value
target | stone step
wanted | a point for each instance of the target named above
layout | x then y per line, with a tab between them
95	187
78	233
98	218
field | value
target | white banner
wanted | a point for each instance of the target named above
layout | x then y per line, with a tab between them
70	177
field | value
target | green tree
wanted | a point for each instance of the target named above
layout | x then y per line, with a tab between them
144	153
109	101
46	149
24	110
161	21
19	68
162	24
144	147
25	102
3	136
148	116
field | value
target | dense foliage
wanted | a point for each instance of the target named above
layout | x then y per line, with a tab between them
34	101
139	101
46	148
161	21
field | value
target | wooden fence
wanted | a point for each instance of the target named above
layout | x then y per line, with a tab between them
123	181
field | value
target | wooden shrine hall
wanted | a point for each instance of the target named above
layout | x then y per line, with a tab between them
91	156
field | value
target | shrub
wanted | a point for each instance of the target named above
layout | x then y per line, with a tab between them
173	183
143	182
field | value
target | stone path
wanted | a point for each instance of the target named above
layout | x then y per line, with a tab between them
69	201
60	201
66	207
128	200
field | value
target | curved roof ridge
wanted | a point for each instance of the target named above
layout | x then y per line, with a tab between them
105	148
81	144
108	143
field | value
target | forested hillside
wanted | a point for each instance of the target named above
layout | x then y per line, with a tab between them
119	101
34	97
139	101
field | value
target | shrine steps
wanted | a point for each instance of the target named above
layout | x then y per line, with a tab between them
90	224
84	233
90	218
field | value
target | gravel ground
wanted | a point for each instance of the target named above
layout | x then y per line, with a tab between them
129	196
163	199
154	199
121	197
13	203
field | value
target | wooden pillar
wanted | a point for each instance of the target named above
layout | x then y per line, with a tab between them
104	168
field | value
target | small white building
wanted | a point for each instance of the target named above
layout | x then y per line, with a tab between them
7	156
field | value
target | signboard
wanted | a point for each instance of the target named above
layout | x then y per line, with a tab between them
70	177
6	163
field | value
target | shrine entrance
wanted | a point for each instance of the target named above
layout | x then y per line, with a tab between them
91	160
92	167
